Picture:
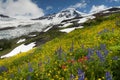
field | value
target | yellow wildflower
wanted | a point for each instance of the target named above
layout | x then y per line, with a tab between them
48	74
99	79
76	78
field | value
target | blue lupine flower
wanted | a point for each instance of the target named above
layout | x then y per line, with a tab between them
112	29
72	77
79	72
108	76
100	55
106	52
90	52
12	75
72	47
29	77
19	70
3	69
59	52
82	77
30	68
103	31
102	46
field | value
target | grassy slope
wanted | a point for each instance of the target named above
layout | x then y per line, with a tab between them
88	37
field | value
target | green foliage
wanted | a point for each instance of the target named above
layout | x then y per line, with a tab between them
118	23
5	44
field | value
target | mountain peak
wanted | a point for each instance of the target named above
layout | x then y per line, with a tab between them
70	13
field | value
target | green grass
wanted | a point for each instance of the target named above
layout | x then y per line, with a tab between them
66	55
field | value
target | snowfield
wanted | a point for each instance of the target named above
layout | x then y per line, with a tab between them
21	40
83	20
19	49
66	25
68	30
47	29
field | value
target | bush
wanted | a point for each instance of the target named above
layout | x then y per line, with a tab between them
5	44
117	23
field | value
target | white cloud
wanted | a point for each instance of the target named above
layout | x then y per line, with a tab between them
20	9
79	5
97	8
49	7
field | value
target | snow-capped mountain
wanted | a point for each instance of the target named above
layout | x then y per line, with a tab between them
60	16
66	14
69	13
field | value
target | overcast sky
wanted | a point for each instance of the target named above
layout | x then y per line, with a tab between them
37	8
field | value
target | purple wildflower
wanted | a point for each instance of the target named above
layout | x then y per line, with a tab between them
79	72
82	77
102	46
72	47
19	70
106	52
105	30
90	52
100	55
12	75
72	77
112	29
108	76
29	77
59	52
3	69
30	68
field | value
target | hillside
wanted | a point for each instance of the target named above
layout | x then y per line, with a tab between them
90	53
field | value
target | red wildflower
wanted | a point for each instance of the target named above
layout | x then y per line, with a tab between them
80	60
71	61
85	58
63	66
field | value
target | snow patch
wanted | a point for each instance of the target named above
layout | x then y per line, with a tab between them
32	35
47	29
21	40
68	30
66	25
19	49
82	20
106	11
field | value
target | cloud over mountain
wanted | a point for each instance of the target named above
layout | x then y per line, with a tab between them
20	8
97	8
